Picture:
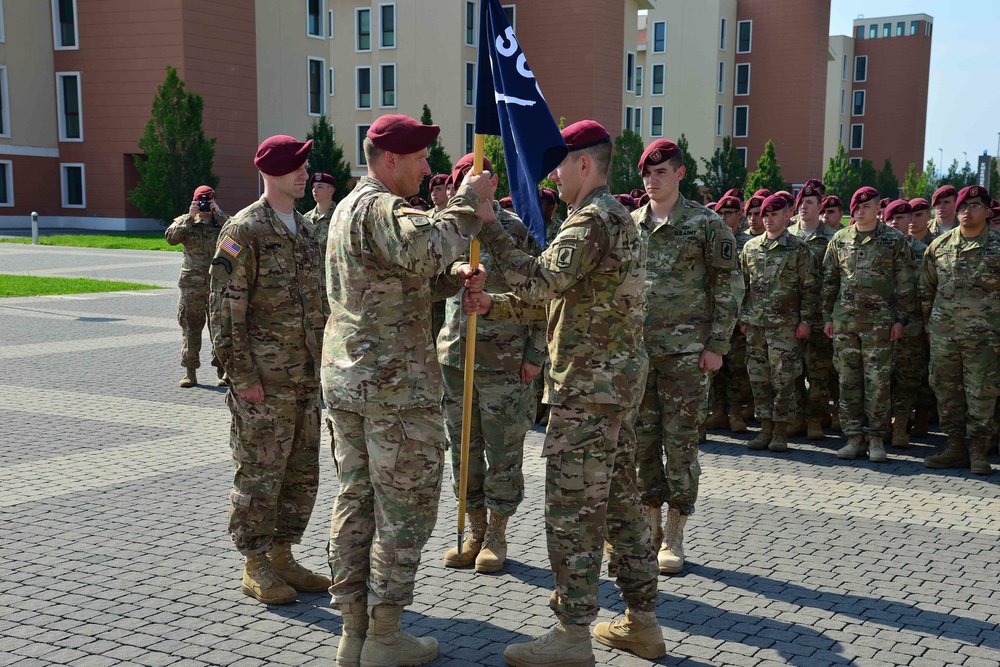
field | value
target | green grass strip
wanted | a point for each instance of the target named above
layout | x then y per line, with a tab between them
11	285
134	241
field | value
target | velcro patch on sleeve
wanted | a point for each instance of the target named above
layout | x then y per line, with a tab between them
224	263
412	211
231	246
564	257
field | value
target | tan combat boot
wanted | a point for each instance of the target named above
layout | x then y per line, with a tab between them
763	438
979	460
565	645
260	582
717	419
855	445
796	426
876	450
190	379
779	438
900	438
654	515
221	378
921	422
494	552
955	455
354	616
671	555
747	411
473	542
285	566
814	429
702	435
387	645
736	422
639	632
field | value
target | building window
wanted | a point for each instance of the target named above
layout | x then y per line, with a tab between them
470	84
928	28
656	122
741	154
843	101
743	79
4	104
858	108
362	134
860	69
330	85
873	31
363	37
387	26
914	27
74	186
859	32
741	120
387	85
630	72
6	183
470	140
511	12
744	36
64	26
329	24
628	118
70	113
886	29
843	74
364	87
722	78
3	37
840	136
658	72
660	37
317	104
900	29
314	18
470	23
857	137
638	121
855	162
722	34
638	81
720	113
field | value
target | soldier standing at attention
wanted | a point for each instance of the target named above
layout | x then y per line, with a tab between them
960	298
943	202
755	220
818	348
780	307
869	293
382	384
267	326
694	289
588	287
198	231
509	357
323	187
438	191
833	212
920	217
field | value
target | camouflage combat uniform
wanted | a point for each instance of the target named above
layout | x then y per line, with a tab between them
503	407
321	222
382	383
730	388
694	290
818	355
588	287
960	298
935	227
909	357
782	290
267	326
199	239
869	284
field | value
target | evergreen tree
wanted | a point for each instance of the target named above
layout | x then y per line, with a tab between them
624	174
176	157
689	187
494	153
437	159
886	181
917	185
724	171
326	156
841	178
768	174
868	175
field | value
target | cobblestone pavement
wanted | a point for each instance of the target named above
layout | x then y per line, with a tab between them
113	501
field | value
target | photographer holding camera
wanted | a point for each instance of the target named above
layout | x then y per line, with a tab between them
198	230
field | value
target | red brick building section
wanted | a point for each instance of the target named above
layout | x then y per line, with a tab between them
787	103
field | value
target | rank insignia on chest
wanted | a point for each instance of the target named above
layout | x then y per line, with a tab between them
564	259
231	246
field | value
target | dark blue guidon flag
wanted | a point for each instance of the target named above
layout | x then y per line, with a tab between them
509	102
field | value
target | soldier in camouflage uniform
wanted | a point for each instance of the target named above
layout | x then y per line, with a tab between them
832	212
818	355
267	317
926	403
198	231
730	395
323	187
960	298
780	308
833	215
869	296
755	220
382	384
920	216
694	289
944	202
588	287
509	357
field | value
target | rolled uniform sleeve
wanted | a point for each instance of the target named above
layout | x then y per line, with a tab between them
178	229
233	278
727	288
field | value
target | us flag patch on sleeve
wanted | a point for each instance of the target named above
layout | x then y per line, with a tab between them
231	246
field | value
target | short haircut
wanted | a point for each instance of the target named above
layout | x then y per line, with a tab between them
677	161
600	155
373	154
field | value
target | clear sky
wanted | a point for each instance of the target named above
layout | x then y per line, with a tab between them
963	100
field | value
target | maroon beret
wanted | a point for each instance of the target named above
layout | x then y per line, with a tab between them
549	194
943	191
463	166
994	212
584	134
658	152
321	177
832	201
450	180
755	201
789	198
438	179
401	134
763	193
895	208
808	190
417	201
636	193
626	200
816	185
204	190
867	193
973	192
281	154
919	204
729	201
643	200
507	203
883	202
775	202
734	192
712	206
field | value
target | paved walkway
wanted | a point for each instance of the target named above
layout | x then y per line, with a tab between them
113	502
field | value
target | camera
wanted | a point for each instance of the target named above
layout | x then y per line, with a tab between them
204	203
